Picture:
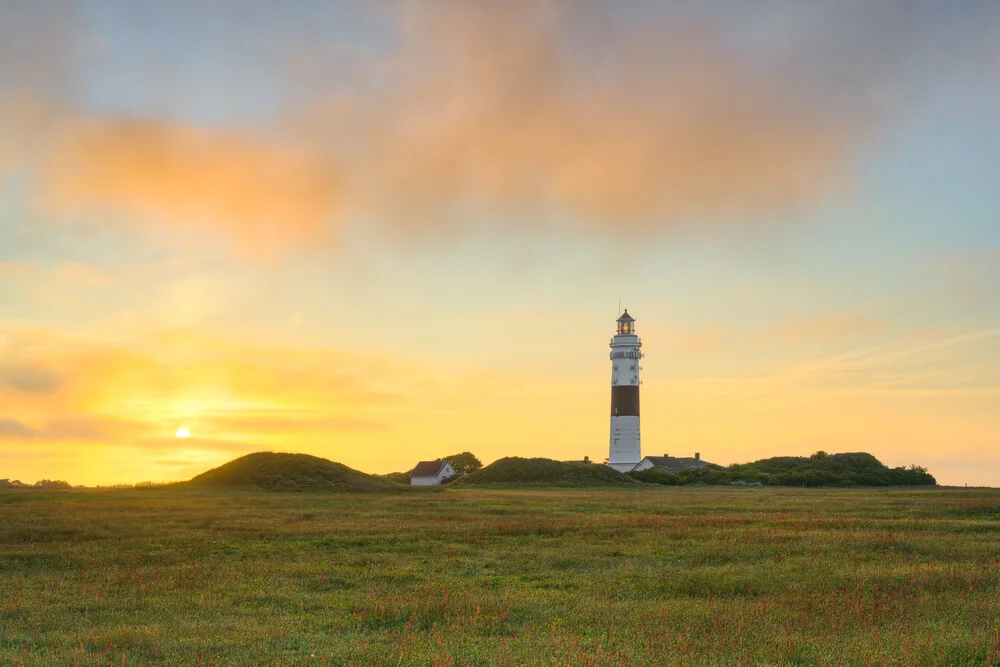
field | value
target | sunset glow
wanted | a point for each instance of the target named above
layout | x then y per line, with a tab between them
386	232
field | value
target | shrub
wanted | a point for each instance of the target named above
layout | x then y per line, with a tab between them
819	470
545	472
657	476
51	484
464	463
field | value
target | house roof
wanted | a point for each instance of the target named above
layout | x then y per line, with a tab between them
676	463
428	468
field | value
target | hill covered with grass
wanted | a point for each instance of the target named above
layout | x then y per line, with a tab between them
515	470
292	472
820	469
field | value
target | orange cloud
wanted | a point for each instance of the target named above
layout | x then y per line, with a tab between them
45	370
494	106
72	428
262	193
517	113
831	327
693	341
56	284
291	422
486	111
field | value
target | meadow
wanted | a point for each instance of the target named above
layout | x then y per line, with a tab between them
651	575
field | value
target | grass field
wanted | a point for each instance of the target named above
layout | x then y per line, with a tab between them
683	575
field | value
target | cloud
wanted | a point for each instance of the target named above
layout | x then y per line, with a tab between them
28	378
97	391
59	284
196	448
830	327
38	45
610	120
973	275
504	107
259	192
73	428
936	364
12	428
292	422
694	341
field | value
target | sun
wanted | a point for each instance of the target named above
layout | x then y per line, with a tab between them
183	433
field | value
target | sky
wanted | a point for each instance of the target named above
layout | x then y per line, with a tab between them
380	232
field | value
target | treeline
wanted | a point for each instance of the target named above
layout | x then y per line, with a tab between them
820	469
62	484
40	484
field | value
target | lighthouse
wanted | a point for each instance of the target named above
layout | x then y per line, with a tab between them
625	450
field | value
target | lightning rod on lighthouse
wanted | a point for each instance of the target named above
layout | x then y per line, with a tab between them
625	448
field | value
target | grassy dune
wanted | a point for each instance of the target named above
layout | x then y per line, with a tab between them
470	576
516	471
273	471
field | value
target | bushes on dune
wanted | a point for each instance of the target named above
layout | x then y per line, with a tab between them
464	463
545	472
820	469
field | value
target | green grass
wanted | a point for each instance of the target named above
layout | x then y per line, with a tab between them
644	575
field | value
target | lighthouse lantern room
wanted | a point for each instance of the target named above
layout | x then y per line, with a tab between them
625	448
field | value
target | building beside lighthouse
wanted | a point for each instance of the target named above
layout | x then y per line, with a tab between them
625	446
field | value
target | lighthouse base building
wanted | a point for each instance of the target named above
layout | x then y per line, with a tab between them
625	447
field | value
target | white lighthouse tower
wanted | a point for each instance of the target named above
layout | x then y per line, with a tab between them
626	451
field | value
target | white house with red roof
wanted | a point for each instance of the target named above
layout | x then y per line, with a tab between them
431	473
